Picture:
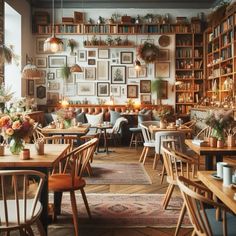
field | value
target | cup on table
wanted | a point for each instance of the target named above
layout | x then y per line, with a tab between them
227	175
219	168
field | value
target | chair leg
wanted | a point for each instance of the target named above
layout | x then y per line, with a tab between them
193	233
180	220
85	202
131	140
75	212
57	202
40	228
145	155
142	154
168	196
162	174
156	158
136	141
89	169
29	231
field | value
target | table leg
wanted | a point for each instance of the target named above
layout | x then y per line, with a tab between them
99	138
105	141
209	162
219	158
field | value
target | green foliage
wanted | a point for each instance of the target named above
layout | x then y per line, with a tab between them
157	87
65	71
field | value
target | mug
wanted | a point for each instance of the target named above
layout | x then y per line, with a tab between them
227	175
219	168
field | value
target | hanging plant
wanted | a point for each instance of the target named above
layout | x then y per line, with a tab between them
65	72
7	55
72	44
148	52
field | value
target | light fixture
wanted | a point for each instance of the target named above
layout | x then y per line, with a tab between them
53	44
76	69
30	71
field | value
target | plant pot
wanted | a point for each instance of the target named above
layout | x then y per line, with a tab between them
231	141
220	143
213	141
162	124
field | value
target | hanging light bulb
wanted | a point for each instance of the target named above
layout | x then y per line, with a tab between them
53	44
76	69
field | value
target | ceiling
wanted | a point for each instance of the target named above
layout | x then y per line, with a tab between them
170	4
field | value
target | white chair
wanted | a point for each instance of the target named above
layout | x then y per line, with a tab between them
20	207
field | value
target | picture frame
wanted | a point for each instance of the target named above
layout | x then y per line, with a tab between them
57	61
132	91
82	55
86	89
163	55
145	86
78	17
115	90
142	72
59	73
41	62
90	73
92	53
164	94
70	90
30	87
146	98
103	53
132	73
39	45
162	69
126	58
53	86
102	70
41	92
51	76
118	74
92	62
52	97
103	89
40	81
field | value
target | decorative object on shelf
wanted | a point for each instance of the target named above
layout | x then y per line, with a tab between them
53	44
149	17
213	142
72	44
7	55
30	71
220	143
118	40
138	20
100	20
164	40
18	128
5	96
125	19
90	21
109	40
148	52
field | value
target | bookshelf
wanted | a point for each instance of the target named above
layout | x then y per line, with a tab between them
189	71
220	59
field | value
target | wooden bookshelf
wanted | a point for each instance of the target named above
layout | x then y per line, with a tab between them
189	68
220	59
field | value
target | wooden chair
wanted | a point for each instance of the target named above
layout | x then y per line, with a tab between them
204	220
37	133
20	207
69	178
204	133
191	125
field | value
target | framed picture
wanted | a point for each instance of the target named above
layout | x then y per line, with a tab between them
115	90
163	55
41	92
164	90
162	69
90	73
70	90
103	89
118	74
39	45
53	86
102	70
57	61
142	73
59	73
126	58
132	73
91	62
51	76
78	17
86	89
145	86
146	98
103	53
41	62
30	87
132	91
92	53
78	77
53	97
82	55
40	81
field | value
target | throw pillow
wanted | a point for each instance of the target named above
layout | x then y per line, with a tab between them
80	117
94	120
114	115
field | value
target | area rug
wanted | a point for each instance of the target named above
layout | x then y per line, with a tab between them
118	173
124	210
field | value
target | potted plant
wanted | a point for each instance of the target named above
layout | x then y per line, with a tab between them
72	44
116	17
100	20
149	17
109	40
157	87
90	21
94	40
65	72
118	40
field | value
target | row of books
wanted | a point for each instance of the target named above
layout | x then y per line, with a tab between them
183	64
227	24
198	52
184	98
58	29
227	38
226	53
198	64
198	74
183	109
184	52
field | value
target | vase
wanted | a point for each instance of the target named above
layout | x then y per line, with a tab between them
16	145
218	133
67	124
213	141
220	143
162	124
231	141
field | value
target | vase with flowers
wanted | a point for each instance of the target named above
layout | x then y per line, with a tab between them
17	129
65	117
162	114
220	121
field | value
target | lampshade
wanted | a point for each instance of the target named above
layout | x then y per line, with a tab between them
76	68
30	71
137	64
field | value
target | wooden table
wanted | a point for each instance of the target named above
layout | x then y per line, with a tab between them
225	194
42	163
210	153
153	129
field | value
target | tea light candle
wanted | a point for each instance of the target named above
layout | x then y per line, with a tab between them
25	154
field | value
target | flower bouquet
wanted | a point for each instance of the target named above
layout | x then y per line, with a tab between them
65	116
5	96
18	128
162	113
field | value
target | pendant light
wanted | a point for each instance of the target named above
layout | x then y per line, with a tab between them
30	71
53	44
76	69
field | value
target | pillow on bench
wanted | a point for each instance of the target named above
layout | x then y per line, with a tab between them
94	120
114	115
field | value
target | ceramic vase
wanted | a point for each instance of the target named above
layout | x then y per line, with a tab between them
231	141
162	124
213	141
220	143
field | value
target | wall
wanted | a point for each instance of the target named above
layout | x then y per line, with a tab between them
114	55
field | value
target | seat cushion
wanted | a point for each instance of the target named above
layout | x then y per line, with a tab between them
63	182
114	115
12	217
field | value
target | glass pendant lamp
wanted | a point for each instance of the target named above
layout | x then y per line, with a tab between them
53	44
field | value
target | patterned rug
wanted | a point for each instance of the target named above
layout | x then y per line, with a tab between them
123	210
118	173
